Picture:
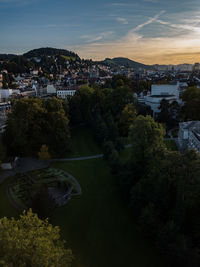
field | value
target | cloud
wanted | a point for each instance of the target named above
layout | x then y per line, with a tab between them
149	21
152	1
15	3
120	4
179	48
9	1
93	38
122	20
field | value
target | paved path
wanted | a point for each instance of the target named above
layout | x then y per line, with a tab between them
24	165
30	164
78	158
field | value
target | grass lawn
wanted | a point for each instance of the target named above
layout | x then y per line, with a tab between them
125	154
171	145
6	208
68	58
83	143
97	226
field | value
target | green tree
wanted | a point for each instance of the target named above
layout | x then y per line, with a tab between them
191	108
119	98
44	153
32	242
147	138
169	113
127	117
34	122
164	115
86	94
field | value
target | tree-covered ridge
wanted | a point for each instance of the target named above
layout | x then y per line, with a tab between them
122	61
48	51
17	64
7	56
48	59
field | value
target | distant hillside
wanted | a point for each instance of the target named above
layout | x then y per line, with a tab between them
7	56
121	61
48	51
49	59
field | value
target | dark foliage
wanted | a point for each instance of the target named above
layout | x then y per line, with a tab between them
34	122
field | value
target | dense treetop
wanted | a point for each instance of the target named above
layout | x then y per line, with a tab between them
163	189
36	122
31	242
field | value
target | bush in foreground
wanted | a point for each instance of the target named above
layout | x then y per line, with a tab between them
30	241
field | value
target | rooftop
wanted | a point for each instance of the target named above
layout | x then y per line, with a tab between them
161	96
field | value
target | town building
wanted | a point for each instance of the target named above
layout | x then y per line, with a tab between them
189	135
63	92
196	67
170	92
6	93
1	80
5	108
51	89
34	72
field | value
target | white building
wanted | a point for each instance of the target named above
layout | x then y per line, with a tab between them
51	89
196	67
184	67
63	93
34	72
5	108
1	80
6	93
159	92
189	135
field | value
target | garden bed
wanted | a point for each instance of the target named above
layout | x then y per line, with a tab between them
23	187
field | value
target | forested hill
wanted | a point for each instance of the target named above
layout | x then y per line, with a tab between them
47	58
48	51
122	61
50	58
7	56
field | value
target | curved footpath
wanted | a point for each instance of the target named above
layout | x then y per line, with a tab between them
31	164
79	158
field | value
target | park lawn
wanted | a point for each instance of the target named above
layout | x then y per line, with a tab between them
83	143
6	208
68	58
97	225
171	145
125	154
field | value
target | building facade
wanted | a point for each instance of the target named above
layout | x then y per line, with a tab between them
169	92
189	135
63	93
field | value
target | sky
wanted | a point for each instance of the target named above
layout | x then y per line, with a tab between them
147	31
